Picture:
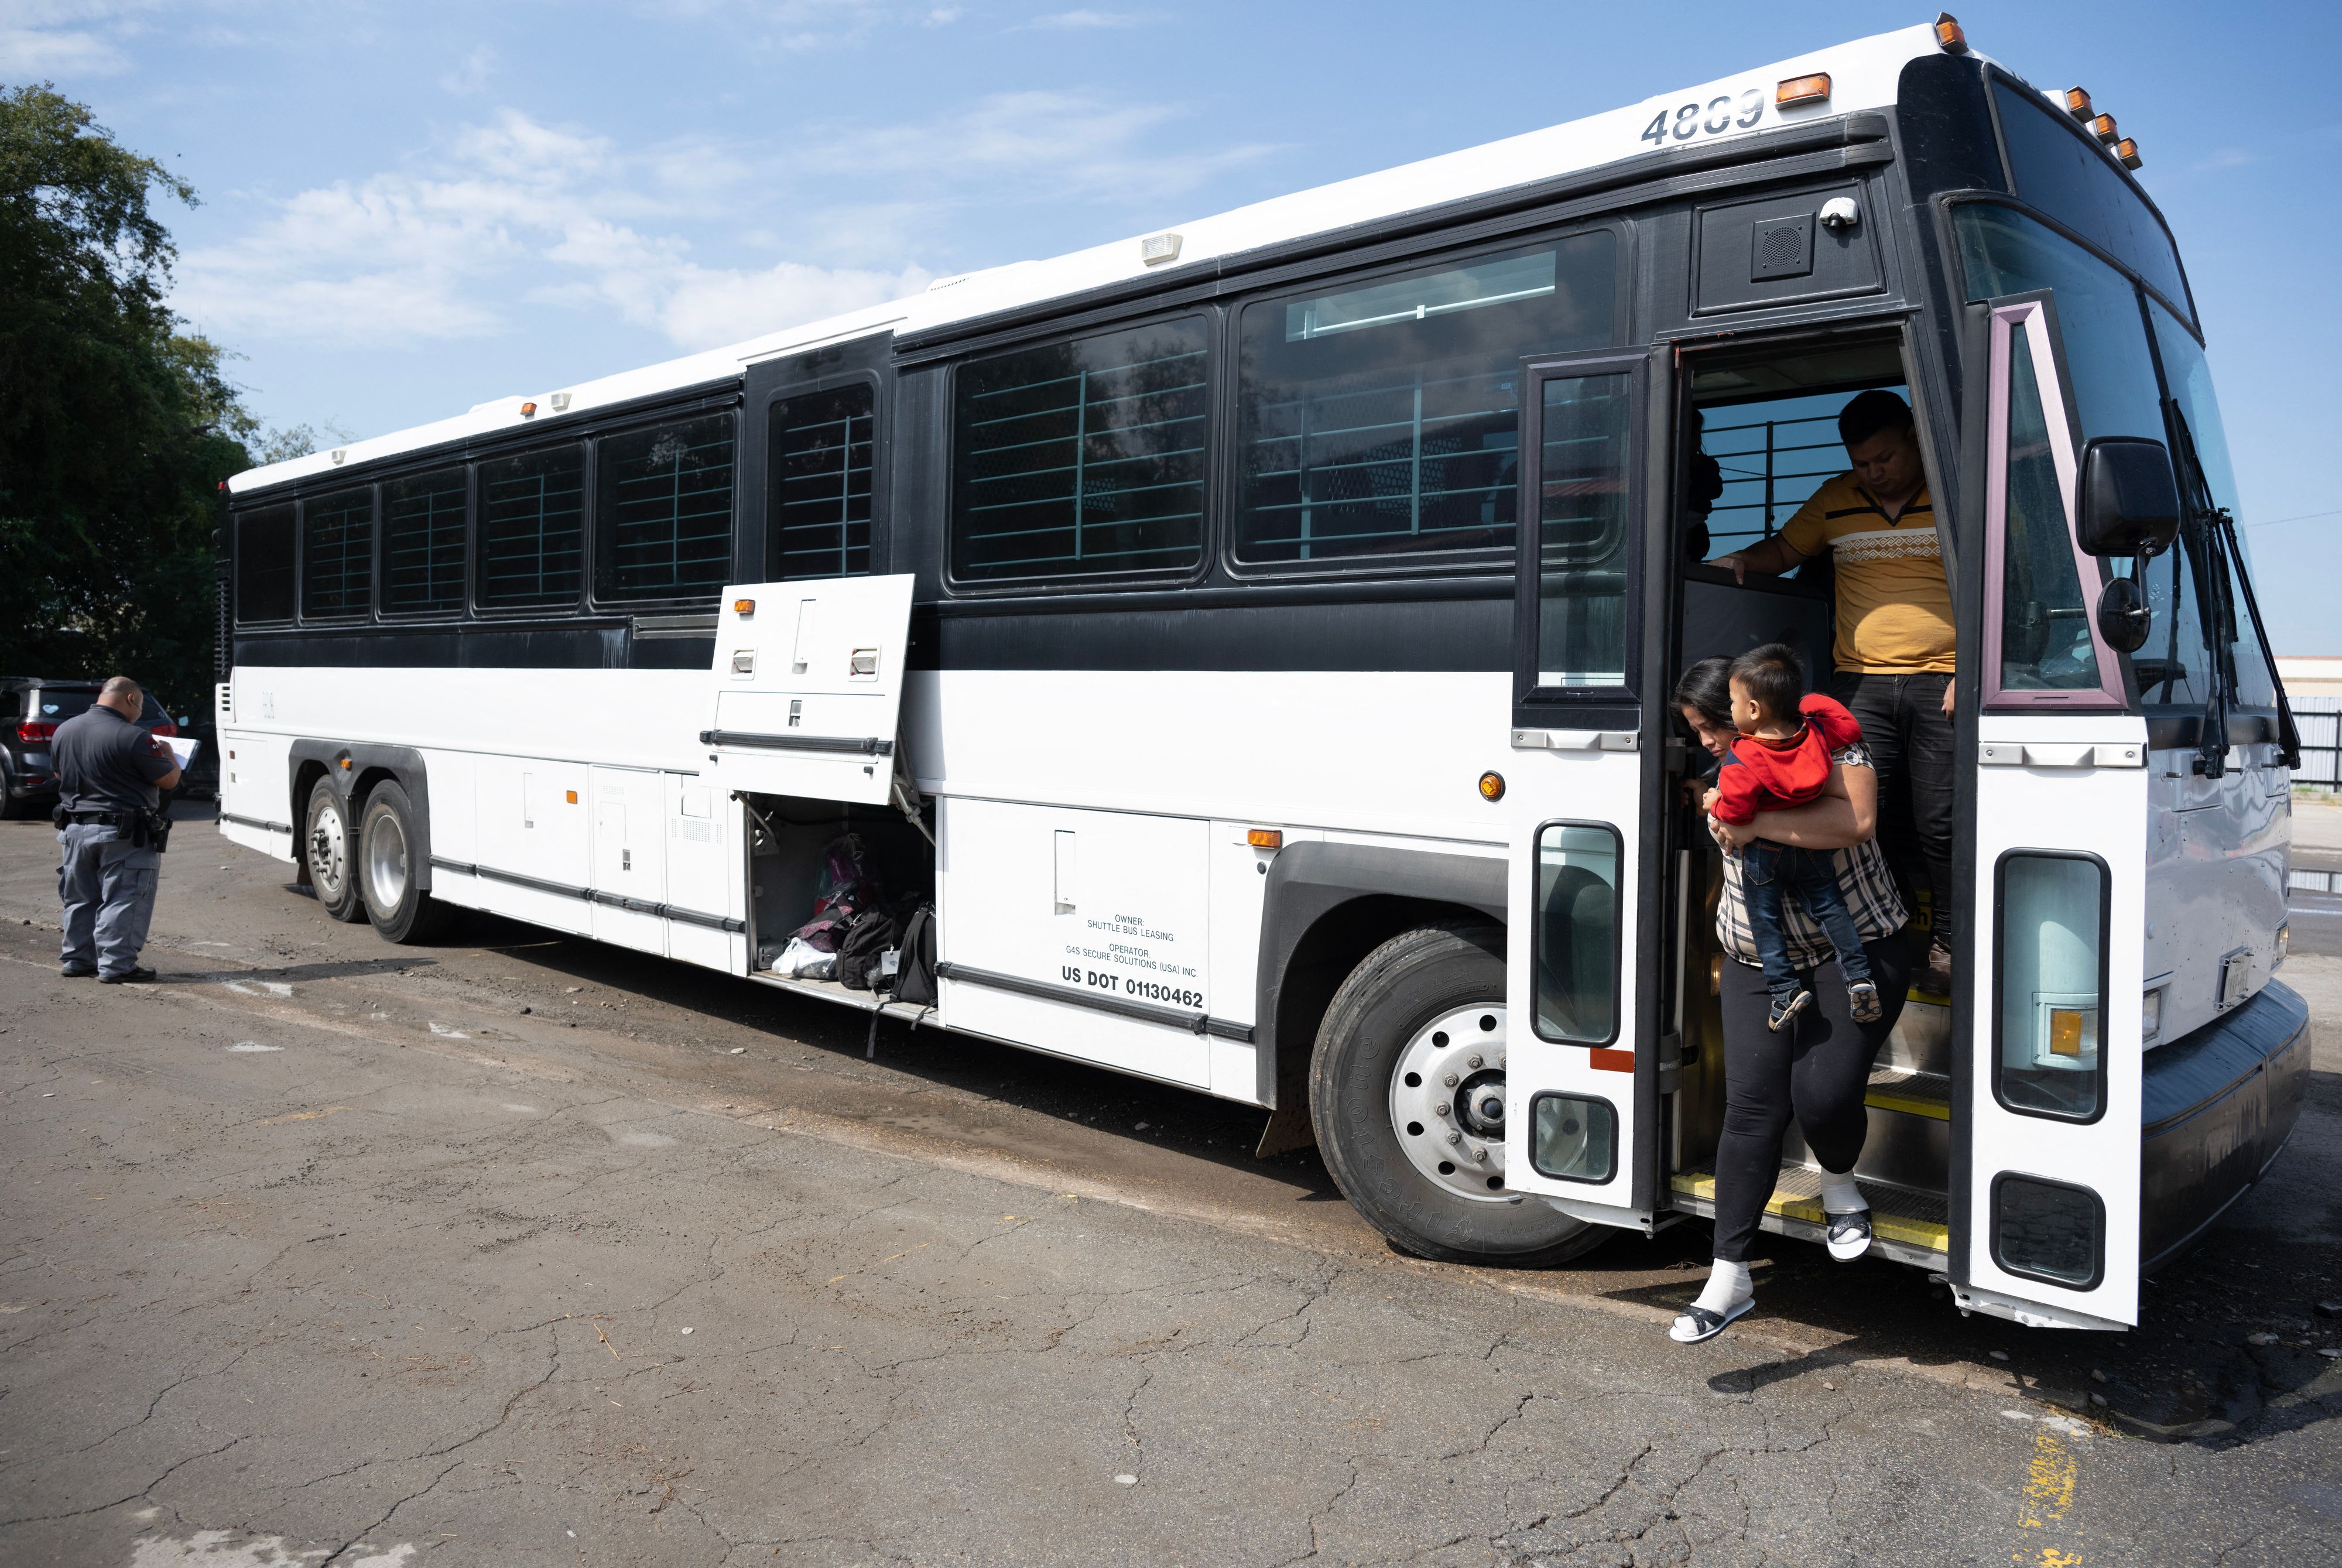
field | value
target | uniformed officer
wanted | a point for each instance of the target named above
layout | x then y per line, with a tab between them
111	771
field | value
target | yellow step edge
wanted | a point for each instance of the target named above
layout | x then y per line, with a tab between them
1894	1227
1888	1100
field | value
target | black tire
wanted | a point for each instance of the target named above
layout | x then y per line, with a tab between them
11	807
1398	991
387	847
329	850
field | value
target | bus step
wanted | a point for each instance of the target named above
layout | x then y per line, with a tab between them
1912	1093
1906	1225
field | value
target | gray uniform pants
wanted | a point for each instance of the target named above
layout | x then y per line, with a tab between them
107	887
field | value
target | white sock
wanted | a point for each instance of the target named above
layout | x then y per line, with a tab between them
1728	1286
1841	1196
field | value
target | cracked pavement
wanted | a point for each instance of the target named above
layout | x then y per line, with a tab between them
495	1253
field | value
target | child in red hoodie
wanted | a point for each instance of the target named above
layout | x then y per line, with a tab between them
1782	759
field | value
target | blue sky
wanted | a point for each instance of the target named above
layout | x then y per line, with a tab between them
411	208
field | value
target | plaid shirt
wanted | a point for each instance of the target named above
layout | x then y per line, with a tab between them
1863	880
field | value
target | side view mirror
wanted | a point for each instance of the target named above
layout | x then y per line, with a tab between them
2130	503
2125	617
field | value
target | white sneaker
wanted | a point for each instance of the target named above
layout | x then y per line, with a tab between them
1849	1235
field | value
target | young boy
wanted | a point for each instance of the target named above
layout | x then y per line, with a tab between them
1781	760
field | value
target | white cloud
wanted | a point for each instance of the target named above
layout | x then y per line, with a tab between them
66	37
29	53
1066	142
519	212
1086	21
472	72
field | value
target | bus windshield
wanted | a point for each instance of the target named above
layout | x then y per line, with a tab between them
2110	364
2058	171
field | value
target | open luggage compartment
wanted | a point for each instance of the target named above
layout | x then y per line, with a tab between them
790	840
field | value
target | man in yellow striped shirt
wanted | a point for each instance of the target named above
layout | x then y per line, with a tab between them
1894	647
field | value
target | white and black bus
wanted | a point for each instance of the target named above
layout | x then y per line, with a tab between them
1256	638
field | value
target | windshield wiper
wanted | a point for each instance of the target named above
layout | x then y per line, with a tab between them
2216	526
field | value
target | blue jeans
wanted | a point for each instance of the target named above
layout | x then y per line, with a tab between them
1770	870
107	887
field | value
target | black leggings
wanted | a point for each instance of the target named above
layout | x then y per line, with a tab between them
1817	1068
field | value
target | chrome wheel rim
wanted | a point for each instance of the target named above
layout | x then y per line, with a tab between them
1447	1102
385	862
329	848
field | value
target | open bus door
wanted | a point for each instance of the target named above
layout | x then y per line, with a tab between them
806	694
2048	1060
1584	991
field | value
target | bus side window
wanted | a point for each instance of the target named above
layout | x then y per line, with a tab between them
532	529
819	465
1082	457
337	554
1380	415
264	566
663	512
423	529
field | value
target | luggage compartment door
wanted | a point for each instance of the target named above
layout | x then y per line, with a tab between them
806	687
2048	1060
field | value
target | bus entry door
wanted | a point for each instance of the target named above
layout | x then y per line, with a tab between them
1580	784
2045	1169
807	687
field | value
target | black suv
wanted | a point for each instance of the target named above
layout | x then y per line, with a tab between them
31	709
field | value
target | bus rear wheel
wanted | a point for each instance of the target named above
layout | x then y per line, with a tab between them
327	847
1408	1092
400	910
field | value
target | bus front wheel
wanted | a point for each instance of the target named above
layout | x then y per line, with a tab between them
401	911
327	845
1406	1087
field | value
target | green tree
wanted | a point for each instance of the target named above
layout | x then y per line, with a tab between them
115	426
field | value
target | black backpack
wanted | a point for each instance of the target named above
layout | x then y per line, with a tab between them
871	933
914	979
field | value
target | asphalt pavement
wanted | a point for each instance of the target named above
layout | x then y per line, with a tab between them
521	1250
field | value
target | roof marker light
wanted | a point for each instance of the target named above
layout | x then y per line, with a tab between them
560	402
2103	128
340	452
1813	89
1948	35
2077	103
744	606
1156	249
2127	151
528	411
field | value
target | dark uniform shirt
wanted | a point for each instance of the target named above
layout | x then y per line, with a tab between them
106	763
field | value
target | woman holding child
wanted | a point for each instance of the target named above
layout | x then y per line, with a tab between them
1800	1043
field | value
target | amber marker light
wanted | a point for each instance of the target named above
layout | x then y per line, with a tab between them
1492	786
744	606
1813	89
2126	151
1265	838
2065	1031
1948	35
2103	128
2077	103
572	794
528	411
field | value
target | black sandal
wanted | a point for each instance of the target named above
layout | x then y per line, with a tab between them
1706	1325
